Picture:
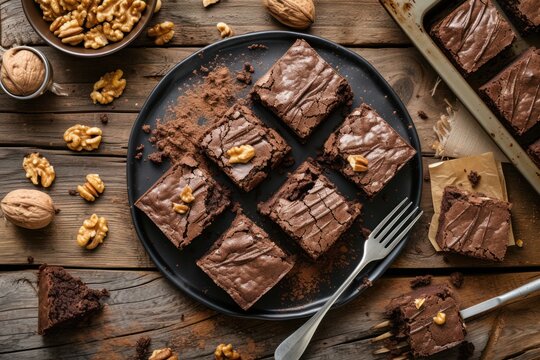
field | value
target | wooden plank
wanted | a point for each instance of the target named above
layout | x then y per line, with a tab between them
412	78
349	22
143	303
56	244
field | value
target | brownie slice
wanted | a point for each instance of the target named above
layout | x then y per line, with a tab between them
412	320
210	200
472	34
473	224
534	152
525	14
240	127
364	132
63	299
302	89
245	262
309	209
514	93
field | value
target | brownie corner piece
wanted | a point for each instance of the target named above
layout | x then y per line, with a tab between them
158	202
472	34
473	224
513	94
364	132
302	89
240	126
525	14
245	262
412	317
310	210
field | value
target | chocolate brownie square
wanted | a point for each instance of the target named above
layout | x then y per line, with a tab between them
525	14
159	202
302	89
514	93
245	262
64	299
412	318
309	209
364	132
473	224
240	127
534	152
472	34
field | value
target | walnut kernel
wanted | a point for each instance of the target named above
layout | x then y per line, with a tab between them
51	9
224	30
163	354
358	163
92	232
38	168
95	38
93	187
241	154
79	137
111	34
187	195
419	302
207	3
105	11
108	87
180	208
519	243
128	14
226	352
440	318
158	6
163	32
69	30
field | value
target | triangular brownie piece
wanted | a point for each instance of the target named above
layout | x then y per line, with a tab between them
64	299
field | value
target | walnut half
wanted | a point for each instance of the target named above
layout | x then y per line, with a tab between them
241	154
163	32
38	168
92	232
163	354
79	137
226	352
93	187
108	87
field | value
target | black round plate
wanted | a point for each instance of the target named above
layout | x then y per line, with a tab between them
179	266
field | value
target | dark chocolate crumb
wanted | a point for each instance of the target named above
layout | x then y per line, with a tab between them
146	128
156	157
141	348
249	68
420	281
72	192
422	115
365	232
456	278
474	178
30	259
139	148
257	47
104	118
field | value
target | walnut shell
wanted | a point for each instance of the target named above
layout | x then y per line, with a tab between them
29	209
298	14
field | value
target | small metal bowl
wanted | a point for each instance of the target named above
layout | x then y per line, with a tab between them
35	18
47	81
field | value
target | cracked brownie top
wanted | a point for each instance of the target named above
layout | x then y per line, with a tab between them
367	134
238	127
412	316
245	262
159	202
302	89
309	208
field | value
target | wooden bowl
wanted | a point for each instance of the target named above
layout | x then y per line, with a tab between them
35	18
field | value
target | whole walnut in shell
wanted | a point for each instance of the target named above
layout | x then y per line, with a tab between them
22	72
29	209
298	14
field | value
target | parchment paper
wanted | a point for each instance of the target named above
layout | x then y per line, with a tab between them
454	172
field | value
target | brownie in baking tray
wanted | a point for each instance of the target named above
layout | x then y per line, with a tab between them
163	204
534	152
525	14
514	93
310	210
245	262
238	127
472	34
473	224
364	132
412	316
64	299
302	89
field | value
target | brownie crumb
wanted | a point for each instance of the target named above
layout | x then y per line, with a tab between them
466	350
474	178
456	278
422	115
257	47
366	283
104	118
146	128
138	156
365	232
57	210
420	281
139	148
72	192
141	348
152	139
204	69
156	157
30	259
249	68
244	75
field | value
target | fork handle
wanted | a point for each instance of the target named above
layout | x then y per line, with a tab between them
293	347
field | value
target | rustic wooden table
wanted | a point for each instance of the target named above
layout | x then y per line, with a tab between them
142	302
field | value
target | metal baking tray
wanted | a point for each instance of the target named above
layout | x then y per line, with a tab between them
410	16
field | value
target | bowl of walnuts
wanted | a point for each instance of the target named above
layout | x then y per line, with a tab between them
89	28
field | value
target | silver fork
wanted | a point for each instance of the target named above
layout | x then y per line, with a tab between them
377	246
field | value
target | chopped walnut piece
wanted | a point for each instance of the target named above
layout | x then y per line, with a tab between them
419	302
358	163
111	34
51	9
105	11
128	15
241	154
110	86
224	30
38	168
95	38
163	32
163	354
226	352
440	318
93	187
92	232
79	137
187	195
180	208
158	6
69	4
207	3
91	17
